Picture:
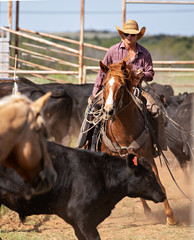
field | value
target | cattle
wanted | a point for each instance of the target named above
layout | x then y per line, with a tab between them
10	182
79	94
57	111
179	131
88	187
64	112
157	90
177	112
170	105
23	141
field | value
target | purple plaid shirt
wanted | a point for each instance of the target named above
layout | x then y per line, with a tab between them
116	53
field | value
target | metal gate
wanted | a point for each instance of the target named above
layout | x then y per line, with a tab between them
4	53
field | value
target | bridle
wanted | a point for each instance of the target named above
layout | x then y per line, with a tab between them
136	144
28	189
41	176
119	107
125	150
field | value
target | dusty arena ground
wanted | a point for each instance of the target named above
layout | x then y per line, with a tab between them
127	221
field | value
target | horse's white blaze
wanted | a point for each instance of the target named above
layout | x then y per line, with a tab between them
109	101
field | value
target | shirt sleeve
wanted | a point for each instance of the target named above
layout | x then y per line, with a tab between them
100	76
148	68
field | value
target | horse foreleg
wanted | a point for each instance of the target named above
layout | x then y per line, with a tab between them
171	220
146	208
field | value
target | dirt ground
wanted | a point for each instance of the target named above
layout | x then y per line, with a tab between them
127	221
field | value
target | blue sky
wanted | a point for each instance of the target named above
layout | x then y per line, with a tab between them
64	16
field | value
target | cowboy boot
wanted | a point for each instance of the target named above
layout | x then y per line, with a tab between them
151	105
95	135
160	130
158	121
83	135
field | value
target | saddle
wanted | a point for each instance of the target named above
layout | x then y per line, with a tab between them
153	118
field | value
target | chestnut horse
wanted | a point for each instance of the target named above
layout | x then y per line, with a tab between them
125	129
23	141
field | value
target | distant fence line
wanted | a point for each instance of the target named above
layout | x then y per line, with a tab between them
64	39
61	49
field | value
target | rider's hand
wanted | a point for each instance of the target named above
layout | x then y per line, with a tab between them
137	76
140	73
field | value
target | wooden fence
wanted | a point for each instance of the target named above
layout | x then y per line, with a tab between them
64	54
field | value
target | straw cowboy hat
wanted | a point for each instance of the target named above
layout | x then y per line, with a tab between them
131	27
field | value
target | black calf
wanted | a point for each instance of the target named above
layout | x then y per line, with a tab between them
88	187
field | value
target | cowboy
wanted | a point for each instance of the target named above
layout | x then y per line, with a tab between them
137	55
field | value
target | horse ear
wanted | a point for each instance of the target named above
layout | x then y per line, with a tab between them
103	67
123	66
40	102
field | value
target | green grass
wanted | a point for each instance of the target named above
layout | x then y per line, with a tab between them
61	78
180	81
4	210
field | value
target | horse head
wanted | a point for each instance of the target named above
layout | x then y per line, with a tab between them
119	80
23	142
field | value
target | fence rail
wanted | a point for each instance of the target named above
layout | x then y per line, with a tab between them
43	50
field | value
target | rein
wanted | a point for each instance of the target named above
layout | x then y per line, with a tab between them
97	115
119	109
42	174
28	189
137	143
124	151
175	124
164	157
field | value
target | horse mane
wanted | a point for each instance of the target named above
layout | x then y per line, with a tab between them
128	72
116	70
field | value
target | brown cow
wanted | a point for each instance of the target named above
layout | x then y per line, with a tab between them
63	112
23	140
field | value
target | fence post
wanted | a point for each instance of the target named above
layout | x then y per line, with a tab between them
170	73
124	11
81	44
17	28
10	14
84	74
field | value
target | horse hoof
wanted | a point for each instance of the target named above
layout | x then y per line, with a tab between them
172	221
